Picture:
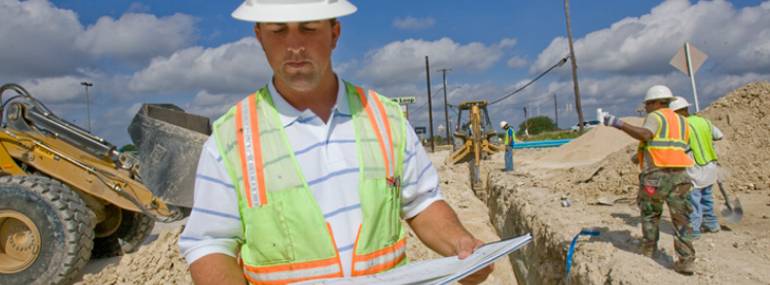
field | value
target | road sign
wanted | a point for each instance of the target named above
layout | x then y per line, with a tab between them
404	100
688	59
697	58
420	130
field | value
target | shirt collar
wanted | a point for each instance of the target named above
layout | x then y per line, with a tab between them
289	114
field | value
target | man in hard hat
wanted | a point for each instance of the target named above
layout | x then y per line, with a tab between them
309	177
663	160
508	141
704	173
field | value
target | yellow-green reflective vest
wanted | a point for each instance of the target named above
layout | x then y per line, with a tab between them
510	137
286	238
701	140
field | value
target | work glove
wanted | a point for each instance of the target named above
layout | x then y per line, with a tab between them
612	121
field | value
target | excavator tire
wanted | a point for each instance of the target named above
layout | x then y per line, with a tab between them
46	231
133	230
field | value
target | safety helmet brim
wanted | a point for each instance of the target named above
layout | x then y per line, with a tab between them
281	13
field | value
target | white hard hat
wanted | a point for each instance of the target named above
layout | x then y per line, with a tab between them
678	103
284	11
503	124
658	92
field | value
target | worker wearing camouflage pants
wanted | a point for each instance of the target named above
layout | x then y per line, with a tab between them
663	160
671	187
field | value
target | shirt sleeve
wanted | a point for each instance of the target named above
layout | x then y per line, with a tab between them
716	133
420	182
651	123
214	226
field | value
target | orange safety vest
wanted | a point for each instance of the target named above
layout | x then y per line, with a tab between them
668	147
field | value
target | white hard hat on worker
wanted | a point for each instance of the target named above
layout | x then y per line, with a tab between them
285	11
503	124
678	103
658	92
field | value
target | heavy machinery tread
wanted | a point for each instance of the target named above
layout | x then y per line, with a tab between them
131	233
77	222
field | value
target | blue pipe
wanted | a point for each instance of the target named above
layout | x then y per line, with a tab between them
583	232
540	144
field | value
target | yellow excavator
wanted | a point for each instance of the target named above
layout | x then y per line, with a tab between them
472	139
67	195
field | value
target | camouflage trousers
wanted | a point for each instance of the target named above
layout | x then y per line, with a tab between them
672	187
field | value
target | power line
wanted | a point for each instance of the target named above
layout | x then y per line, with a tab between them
558	64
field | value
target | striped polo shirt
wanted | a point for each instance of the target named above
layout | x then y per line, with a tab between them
326	154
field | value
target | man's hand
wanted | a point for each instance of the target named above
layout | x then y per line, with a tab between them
465	247
612	121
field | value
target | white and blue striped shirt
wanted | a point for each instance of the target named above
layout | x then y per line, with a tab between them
327	157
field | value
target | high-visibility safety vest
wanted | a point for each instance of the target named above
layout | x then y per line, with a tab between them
509	137
668	147
286	238
701	140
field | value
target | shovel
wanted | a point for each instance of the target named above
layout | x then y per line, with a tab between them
733	212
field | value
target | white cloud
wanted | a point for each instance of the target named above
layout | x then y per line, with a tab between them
212	105
237	67
412	23
37	39
644	45
137	37
41	40
405	60
55	90
517	62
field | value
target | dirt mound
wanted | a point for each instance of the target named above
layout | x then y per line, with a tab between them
156	263
590	148
744	117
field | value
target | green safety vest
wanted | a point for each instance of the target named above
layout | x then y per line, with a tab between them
286	238
701	141
509	136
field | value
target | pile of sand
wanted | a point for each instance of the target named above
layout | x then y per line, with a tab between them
590	148
156	263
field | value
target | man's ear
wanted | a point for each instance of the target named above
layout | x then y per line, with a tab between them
258	32
336	31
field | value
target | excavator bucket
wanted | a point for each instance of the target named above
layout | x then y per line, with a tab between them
169	142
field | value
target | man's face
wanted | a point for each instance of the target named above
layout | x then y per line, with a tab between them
654	105
299	53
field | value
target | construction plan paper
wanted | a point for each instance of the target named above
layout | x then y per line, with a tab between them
437	271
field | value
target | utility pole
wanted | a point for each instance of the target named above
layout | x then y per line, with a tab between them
556	110
430	106
578	106
526	121
88	103
446	109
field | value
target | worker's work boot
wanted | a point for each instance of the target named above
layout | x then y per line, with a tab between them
684	267
650	251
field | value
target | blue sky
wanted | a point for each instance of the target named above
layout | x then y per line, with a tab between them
193	54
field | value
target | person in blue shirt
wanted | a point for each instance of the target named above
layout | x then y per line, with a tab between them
508	141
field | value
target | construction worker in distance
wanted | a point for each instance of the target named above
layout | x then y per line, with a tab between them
663	160
309	177
704	173
509	140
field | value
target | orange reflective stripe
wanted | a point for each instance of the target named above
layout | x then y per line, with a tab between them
381	267
336	250
370	114
389	249
288	281
387	126
257	149
242	150
291	266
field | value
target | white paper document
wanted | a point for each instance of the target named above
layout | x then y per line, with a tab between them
437	271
